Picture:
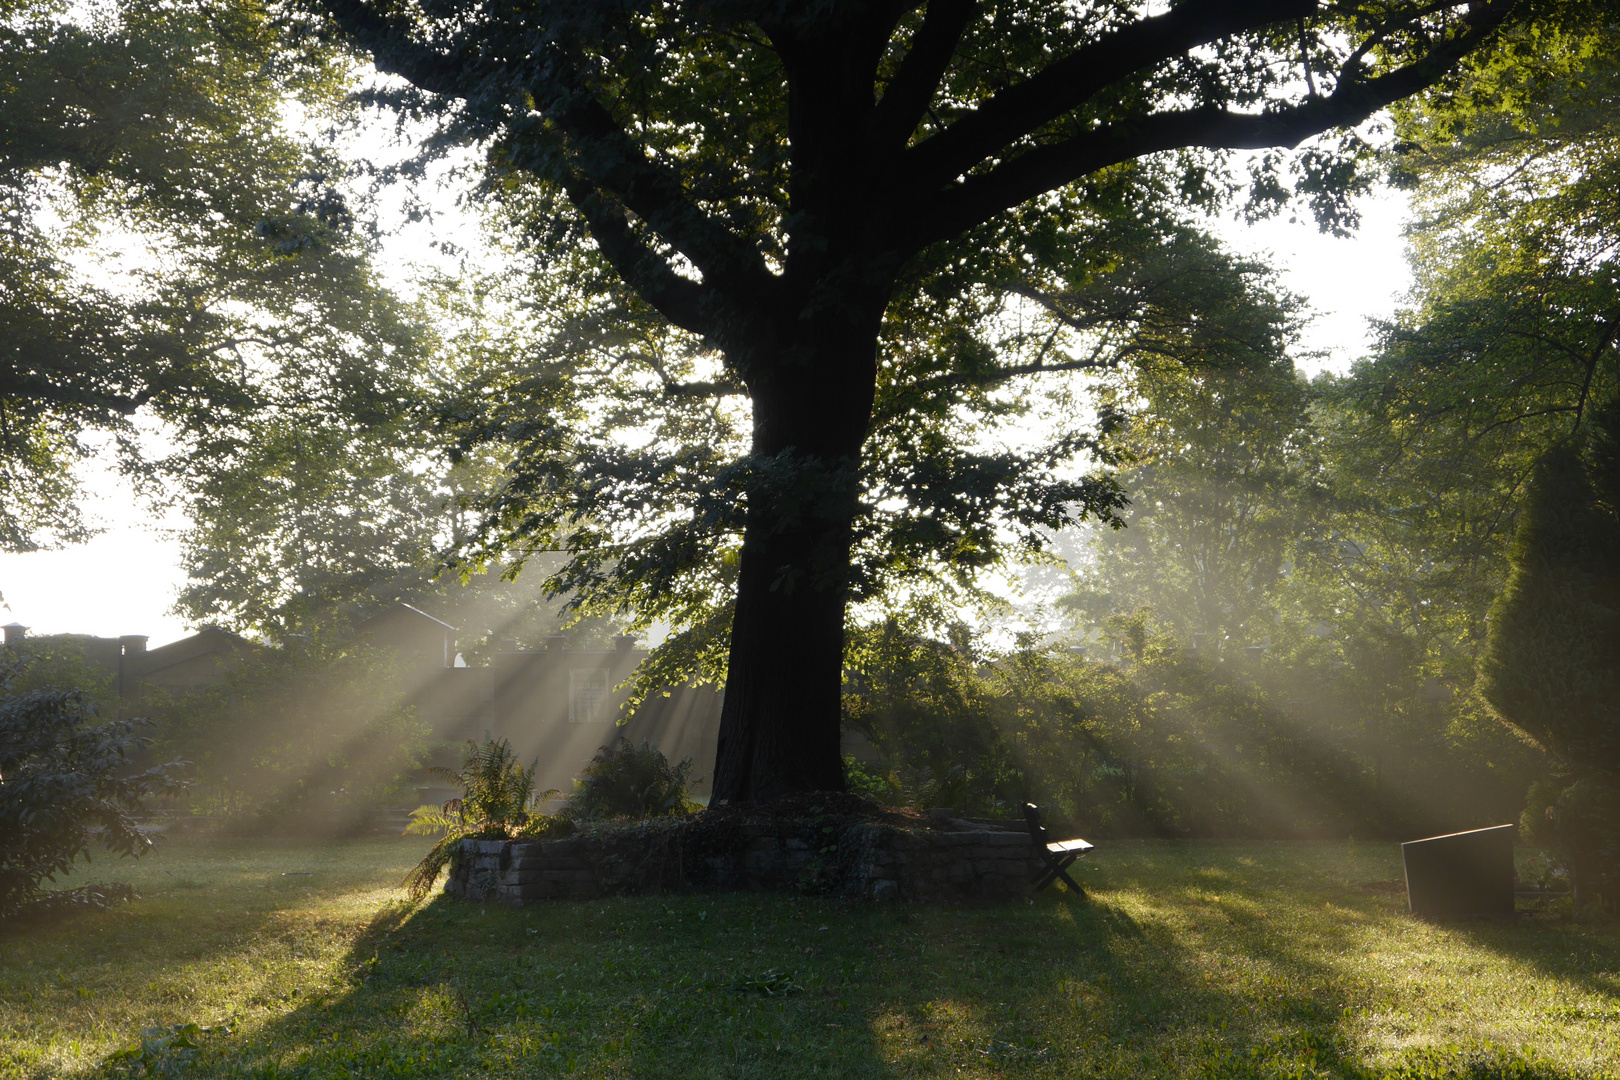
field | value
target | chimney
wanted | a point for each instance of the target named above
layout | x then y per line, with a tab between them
15	632
556	642
129	647
623	642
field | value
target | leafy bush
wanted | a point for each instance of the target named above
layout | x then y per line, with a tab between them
627	780
67	783
54	660
1587	836
497	802
927	708
873	783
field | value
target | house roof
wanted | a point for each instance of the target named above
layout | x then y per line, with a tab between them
205	642
397	609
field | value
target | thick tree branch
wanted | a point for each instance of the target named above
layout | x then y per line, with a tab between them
74	394
704	390
906	100
709	388
980	379
597	149
1128	307
605	153
390	40
979	198
1065	84
678	299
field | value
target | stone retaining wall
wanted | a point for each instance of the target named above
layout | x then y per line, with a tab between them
875	861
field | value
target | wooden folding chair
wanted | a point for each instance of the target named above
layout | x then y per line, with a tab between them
1058	855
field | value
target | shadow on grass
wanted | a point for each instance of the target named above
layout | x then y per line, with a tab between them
1255	972
1197	961
673	986
741	987
1585	956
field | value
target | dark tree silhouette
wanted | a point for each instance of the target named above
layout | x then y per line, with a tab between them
1552	664
762	173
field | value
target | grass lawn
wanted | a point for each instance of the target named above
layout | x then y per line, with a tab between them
1196	960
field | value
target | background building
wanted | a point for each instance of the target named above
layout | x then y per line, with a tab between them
557	706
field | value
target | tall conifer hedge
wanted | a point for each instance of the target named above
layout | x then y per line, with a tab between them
1552	666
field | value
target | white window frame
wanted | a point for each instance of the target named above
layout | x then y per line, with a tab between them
587	695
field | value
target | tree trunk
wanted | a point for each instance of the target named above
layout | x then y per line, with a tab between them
781	722
780	726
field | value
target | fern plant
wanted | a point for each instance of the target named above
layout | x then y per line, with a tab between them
625	780
497	802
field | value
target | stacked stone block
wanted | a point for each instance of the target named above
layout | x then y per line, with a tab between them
876	861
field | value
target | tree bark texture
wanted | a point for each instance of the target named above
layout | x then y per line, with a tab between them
779	729
787	645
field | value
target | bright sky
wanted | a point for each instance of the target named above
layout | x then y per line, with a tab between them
1346	281
125	579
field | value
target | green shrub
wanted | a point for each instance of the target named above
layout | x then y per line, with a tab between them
1587	835
497	802
1159	742
66	785
625	780
929	710
875	784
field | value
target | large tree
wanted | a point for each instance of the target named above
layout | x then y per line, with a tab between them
1512	330
1222	484
1552	667
770	177
172	246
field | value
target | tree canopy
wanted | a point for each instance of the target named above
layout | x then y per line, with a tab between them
831	209
171	245
1512	337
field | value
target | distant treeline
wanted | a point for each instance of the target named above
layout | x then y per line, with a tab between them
1159	739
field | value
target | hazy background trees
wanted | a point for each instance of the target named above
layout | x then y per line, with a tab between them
1359	527
172	245
1284	639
